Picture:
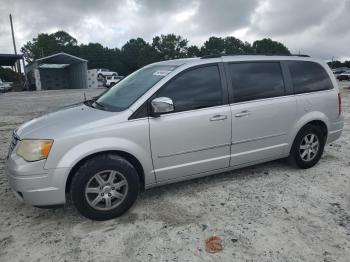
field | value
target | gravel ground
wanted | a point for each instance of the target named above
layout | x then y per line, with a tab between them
269	212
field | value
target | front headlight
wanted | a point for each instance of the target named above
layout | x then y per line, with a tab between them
34	150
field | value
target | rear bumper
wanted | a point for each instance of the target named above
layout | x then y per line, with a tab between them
335	131
34	185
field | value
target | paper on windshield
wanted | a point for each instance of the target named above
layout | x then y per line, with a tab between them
161	72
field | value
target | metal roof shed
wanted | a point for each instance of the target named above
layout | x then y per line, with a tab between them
9	59
58	71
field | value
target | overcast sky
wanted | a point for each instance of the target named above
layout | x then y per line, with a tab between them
319	28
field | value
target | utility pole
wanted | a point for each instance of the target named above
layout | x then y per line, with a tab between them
18	64
13	35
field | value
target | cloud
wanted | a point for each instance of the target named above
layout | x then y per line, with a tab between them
317	27
215	17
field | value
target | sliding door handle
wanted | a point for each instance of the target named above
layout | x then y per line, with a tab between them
242	114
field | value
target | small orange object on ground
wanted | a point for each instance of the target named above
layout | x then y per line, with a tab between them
213	245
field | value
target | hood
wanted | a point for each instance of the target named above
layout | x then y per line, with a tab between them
68	120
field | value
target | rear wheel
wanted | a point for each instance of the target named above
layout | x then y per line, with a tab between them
308	147
105	187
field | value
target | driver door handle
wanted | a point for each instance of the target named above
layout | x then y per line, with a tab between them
218	117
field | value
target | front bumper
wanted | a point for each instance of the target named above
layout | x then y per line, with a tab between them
35	185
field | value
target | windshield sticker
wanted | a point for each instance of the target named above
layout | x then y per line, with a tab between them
161	73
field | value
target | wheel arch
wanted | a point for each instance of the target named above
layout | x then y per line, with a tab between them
317	119
322	125
131	158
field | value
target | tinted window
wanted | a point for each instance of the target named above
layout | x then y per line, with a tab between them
198	88
308	77
252	81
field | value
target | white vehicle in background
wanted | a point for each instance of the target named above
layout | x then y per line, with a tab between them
103	73
5	86
345	76
2	87
110	81
338	71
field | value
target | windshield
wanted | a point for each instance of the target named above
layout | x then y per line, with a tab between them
126	92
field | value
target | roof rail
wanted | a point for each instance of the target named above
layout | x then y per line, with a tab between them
212	56
266	54
300	55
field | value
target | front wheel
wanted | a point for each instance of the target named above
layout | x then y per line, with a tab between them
105	187
308	147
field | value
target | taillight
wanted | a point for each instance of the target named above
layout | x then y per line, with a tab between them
339	104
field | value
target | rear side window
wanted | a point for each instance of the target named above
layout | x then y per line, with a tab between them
194	89
257	80
308	77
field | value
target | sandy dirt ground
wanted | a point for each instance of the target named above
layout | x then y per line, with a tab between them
269	212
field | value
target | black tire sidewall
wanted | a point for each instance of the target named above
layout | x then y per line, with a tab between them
89	169
309	129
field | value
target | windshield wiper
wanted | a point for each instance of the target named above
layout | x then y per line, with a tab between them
99	104
96	104
87	102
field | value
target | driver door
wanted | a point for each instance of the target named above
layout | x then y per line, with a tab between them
194	138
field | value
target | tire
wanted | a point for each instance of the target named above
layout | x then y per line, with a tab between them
104	199
112	84
300	146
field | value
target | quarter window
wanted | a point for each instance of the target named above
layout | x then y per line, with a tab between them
308	77
257	80
194	89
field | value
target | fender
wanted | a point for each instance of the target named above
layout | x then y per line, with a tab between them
84	149
307	118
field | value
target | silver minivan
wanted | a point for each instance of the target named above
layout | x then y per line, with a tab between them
172	121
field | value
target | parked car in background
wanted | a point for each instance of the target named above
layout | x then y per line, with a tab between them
338	71
5	86
344	76
172	121
2	87
103	73
110	81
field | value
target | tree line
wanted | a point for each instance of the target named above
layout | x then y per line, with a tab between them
136	52
337	64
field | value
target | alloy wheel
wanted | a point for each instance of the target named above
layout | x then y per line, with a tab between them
309	147
106	190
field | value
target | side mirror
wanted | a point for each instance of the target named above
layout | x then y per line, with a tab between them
161	105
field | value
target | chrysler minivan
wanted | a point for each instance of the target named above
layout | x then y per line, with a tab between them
175	120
